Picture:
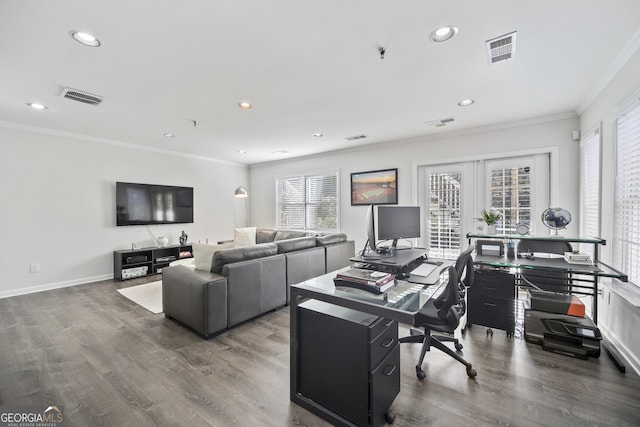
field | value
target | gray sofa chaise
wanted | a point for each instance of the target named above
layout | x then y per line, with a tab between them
248	281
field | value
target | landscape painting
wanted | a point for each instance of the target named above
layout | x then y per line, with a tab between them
375	187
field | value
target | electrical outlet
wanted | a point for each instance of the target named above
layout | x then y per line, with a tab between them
34	268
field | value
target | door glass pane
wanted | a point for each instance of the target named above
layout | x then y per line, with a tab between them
444	217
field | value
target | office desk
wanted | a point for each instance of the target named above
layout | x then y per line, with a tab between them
399	304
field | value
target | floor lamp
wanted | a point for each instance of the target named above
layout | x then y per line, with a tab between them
242	193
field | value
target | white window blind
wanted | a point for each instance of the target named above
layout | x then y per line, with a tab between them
444	220
590	191
308	202
626	249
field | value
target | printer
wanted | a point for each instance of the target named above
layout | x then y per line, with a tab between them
557	322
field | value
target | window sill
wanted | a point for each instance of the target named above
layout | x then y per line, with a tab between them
627	291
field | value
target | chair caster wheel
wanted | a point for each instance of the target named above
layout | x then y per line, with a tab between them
490	331
471	373
420	373
389	417
458	346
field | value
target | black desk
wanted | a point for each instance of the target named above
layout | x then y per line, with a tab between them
399	304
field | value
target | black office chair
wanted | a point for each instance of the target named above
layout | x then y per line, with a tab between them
443	315
554	281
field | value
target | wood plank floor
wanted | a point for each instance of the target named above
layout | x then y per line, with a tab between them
110	362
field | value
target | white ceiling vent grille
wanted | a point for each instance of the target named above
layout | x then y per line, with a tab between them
501	48
80	96
439	122
356	137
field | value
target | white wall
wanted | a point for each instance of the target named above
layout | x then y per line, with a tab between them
619	304
58	207
554	133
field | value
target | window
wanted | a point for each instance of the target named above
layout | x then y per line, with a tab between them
510	190
307	202
444	218
590	188
518	188
626	232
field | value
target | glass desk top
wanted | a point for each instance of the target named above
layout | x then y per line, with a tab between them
401	302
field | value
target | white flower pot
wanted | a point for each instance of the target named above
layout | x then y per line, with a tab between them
491	229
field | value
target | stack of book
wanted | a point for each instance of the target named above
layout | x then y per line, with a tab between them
369	280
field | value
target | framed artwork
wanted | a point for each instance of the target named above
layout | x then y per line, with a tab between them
374	187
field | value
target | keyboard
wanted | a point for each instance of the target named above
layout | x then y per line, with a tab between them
423	270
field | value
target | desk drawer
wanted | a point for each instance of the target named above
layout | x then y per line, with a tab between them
385	386
384	343
498	284
492	312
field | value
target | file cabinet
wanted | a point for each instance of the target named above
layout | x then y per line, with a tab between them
349	361
491	300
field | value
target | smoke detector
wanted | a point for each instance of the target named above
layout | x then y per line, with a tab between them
501	48
80	96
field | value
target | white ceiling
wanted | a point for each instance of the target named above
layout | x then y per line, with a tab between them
307	66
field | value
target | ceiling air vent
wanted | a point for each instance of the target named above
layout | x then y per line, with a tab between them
356	137
80	96
439	122
501	48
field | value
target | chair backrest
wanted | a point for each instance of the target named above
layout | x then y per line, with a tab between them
451	308
554	281
465	263
544	246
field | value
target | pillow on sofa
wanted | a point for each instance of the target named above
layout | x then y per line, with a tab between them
331	239
264	235
203	254
244	236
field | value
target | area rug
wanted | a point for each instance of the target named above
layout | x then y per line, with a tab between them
148	295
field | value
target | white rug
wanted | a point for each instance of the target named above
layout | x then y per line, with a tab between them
148	295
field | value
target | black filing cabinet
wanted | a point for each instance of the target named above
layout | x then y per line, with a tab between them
491	300
349	361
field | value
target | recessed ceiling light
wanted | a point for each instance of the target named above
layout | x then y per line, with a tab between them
36	106
318	135
466	102
443	34
85	38
168	135
245	105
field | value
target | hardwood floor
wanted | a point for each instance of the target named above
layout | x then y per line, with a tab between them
110	362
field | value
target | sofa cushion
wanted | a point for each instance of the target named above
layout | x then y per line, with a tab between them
244	236
221	258
264	235
203	254
296	244
288	234
331	239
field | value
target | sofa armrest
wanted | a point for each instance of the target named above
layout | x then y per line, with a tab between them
195	298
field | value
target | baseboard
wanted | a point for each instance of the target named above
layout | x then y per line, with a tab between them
56	285
630	360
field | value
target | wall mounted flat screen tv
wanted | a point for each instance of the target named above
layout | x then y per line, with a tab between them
147	204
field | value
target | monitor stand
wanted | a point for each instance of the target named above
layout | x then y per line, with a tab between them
397	260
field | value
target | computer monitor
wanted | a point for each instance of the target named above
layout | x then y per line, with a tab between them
371	231
398	222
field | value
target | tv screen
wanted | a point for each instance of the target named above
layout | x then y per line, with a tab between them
146	204
398	222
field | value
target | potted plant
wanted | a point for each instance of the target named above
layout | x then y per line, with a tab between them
490	218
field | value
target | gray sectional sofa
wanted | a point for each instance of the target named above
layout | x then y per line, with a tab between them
248	281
